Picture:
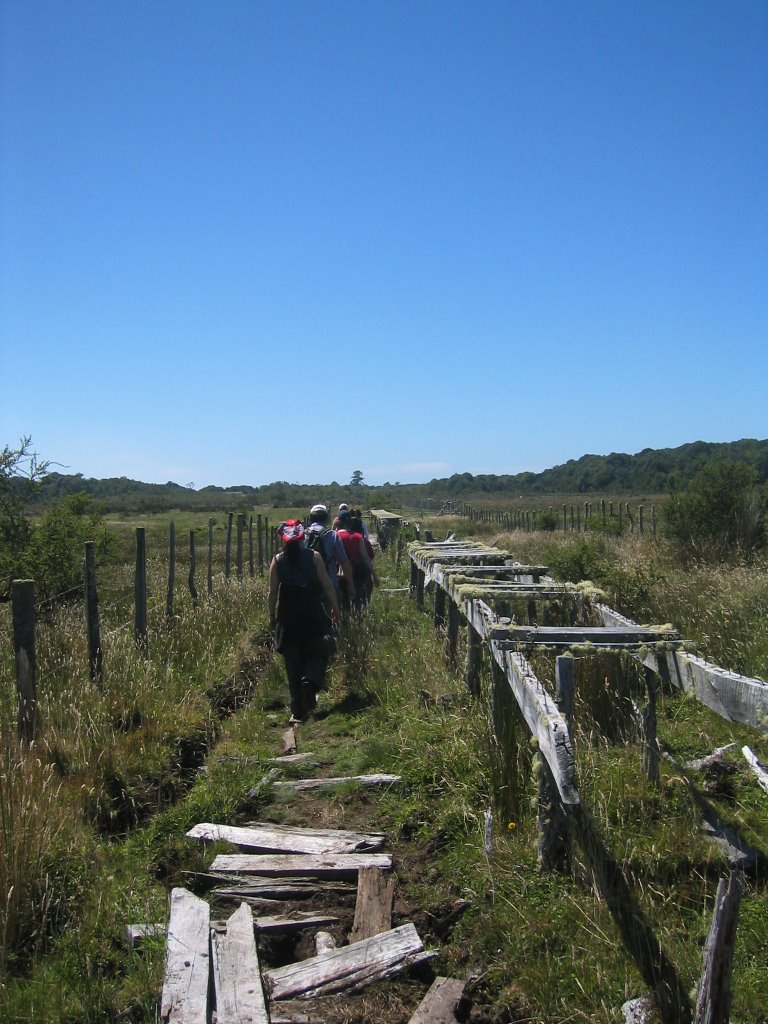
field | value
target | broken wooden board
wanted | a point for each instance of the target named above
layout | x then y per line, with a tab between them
373	909
341	865
349	968
574	635
296	921
257	890
360	780
268	838
306	758
289	741
236	972
757	768
439	1004
185	985
135	934
735	698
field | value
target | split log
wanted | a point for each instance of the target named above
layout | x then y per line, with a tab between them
268	838
342	865
440	1003
185	985
713	1003
373	910
361	780
236	973
350	968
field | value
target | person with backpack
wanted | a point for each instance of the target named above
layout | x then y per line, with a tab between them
360	552
327	542
298	581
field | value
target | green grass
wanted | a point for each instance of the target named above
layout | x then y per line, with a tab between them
538	947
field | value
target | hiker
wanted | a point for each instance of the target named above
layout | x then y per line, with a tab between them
344	508
297	579
319	537
360	553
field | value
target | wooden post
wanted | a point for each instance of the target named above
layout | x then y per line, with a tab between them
713	1002
250	547
619	517
640	519
239	553
602	510
440	596
260	544
453	633
228	549
653	521
192	561
420	580
171	571
650	746
23	613
399	558
474	660
140	590
267	541
578	519
554	842
210	557
92	625
565	519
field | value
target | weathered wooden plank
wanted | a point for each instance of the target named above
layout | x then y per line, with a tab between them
361	780
135	934
373	909
349	968
440	1003
306	758
732	696
268	838
296	921
341	865
185	986
581	634
236	972
267	891
757	768
713	1002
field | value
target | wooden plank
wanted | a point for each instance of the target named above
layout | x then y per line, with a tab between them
361	780
236	973
289	741
185	985
373	909
135	934
268	838
296	921
307	758
440	1003
349	968
581	634
341	865
732	696
269	891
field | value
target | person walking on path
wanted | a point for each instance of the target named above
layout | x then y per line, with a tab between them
360	553
319	537
297	583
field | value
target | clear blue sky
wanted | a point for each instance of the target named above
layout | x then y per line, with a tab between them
243	241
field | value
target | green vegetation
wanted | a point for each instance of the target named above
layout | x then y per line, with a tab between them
113	783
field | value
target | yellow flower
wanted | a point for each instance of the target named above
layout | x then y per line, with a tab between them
511	826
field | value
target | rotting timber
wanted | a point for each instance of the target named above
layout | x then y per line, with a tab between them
469	578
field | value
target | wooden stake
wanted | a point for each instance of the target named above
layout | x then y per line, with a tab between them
23	612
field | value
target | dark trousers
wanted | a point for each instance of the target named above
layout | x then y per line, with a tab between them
305	659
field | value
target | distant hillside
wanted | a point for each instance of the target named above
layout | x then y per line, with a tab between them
651	471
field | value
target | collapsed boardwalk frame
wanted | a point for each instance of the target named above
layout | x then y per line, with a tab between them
451	566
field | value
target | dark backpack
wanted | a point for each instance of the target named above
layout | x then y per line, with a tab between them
315	541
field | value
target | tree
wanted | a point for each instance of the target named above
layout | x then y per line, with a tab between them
20	472
357	478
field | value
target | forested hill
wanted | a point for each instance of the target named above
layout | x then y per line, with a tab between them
651	471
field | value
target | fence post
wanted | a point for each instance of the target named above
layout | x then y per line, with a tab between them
640	519
259	544
650	746
192	566
554	846
452	633
653	521
228	549
474	660
239	556
210	557
713	1002
171	571
23	612
440	597
140	621
250	546
92	615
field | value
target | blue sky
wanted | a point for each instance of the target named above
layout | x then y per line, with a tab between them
248	241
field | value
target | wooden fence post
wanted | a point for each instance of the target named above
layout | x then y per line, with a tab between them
650	746
713	1002
640	519
192	566
452	636
23	613
440	597
228	549
92	625
250	547
171	571
554	842
239	556
210	557
140	589
474	660
420	580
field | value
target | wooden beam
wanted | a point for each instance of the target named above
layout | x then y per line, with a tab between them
185	986
236	972
440	1003
361	780
373	909
342	865
269	838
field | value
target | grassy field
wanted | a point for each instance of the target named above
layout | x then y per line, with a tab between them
93	820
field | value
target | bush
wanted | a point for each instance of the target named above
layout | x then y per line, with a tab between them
722	515
56	549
